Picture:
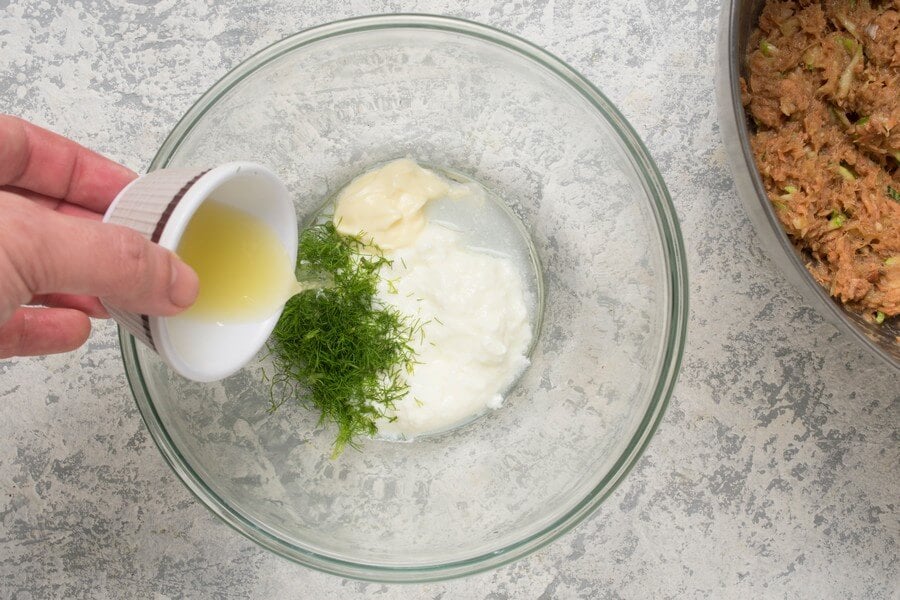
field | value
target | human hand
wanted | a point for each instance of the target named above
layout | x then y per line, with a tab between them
55	252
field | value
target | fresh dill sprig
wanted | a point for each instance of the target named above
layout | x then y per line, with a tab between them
893	194
335	348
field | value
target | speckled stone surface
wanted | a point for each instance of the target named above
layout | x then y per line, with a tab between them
773	475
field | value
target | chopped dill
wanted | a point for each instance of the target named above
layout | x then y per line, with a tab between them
893	194
336	349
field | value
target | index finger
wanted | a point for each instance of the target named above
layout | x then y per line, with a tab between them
44	162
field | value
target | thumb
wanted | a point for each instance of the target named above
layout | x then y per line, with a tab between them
55	253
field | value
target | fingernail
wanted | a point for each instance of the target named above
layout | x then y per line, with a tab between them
185	285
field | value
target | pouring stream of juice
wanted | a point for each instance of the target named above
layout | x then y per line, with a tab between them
245	273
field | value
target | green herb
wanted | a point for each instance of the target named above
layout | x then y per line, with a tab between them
879	317
847	76
789	193
335	348
893	194
839	115
837	220
890	261
849	45
862	121
766	48
845	172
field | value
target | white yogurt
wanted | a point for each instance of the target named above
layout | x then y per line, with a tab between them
475	335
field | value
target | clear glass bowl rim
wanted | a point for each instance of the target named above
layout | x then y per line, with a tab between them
675	263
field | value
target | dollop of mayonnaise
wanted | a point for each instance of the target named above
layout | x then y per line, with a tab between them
386	207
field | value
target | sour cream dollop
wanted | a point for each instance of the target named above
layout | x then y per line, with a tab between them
475	330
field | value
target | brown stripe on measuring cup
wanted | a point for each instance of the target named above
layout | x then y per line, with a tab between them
145	322
157	233
170	207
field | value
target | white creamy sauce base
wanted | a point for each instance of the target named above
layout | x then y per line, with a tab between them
476	331
472	305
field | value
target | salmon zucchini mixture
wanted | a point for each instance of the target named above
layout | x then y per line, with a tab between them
823	91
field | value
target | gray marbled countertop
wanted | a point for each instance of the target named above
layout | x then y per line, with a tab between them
774	473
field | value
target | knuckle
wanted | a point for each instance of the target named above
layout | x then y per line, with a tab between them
134	257
22	261
13	289
7	346
13	338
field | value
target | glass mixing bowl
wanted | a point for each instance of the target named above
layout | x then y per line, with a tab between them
323	106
